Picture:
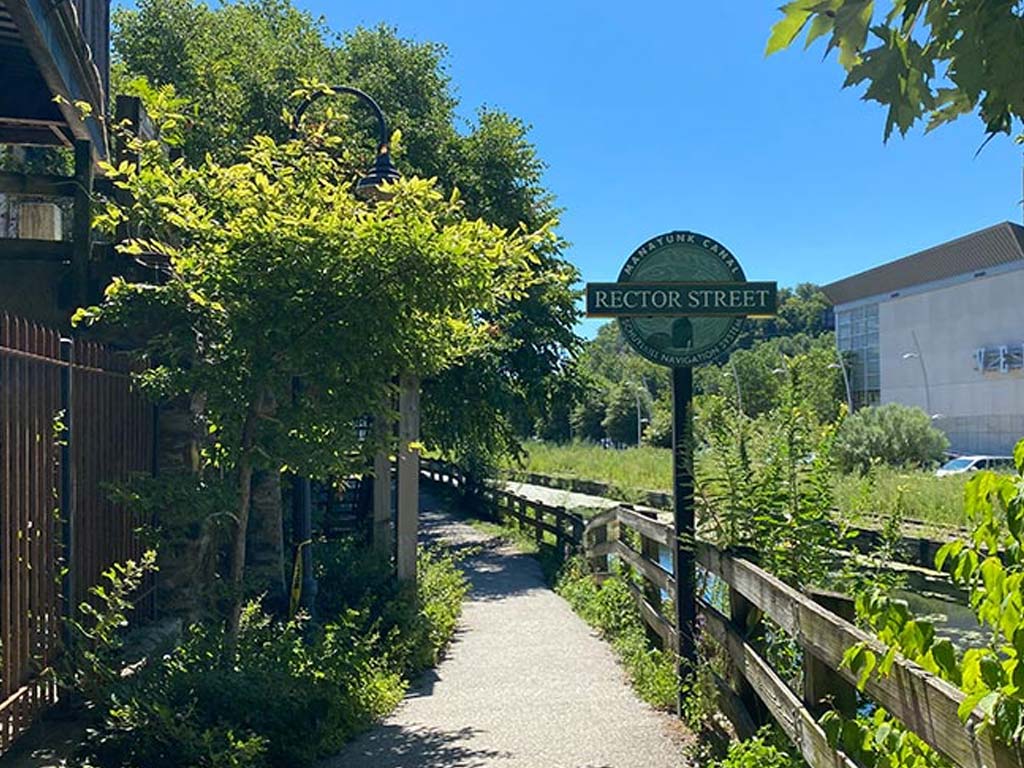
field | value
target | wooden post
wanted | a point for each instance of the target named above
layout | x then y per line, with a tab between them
600	564
81	232
560	541
824	687
746	620
408	478
651	552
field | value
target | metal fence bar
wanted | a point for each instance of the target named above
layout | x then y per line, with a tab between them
107	439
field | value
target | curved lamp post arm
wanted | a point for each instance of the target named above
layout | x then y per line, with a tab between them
383	170
382	124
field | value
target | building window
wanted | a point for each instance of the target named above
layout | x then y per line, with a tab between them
857	337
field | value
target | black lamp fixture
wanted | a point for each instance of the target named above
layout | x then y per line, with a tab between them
383	171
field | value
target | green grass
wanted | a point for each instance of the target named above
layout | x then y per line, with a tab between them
937	501
933	500
632	469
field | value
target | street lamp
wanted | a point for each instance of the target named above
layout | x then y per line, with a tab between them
367	188
383	171
846	382
916	355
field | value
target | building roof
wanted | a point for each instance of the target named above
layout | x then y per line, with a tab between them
1001	244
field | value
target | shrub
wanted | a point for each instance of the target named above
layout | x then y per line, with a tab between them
286	692
765	750
893	434
610	608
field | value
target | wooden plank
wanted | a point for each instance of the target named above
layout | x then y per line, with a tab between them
652	571
652	529
652	618
81	226
12	183
794	719
734	708
18	249
923	702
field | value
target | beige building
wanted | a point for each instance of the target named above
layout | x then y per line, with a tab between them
943	329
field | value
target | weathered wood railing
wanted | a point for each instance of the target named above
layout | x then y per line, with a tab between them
924	703
564	528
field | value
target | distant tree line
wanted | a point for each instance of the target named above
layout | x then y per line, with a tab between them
615	387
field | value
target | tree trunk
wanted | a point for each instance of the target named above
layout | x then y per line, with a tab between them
266	538
242	525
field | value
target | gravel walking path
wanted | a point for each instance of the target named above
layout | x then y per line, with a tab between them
526	684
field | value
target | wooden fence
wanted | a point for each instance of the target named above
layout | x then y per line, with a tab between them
924	703
70	425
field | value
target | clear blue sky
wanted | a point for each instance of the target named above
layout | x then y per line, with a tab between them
655	116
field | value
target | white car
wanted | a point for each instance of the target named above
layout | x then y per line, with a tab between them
962	464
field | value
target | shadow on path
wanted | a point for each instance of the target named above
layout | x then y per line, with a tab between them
395	746
525	683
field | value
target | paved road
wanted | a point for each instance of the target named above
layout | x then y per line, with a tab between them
526	684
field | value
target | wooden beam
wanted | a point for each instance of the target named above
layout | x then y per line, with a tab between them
785	707
36	184
57	45
81	227
646	526
926	704
14	249
652	571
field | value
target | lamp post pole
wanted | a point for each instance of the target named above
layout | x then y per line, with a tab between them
368	187
841	365
916	354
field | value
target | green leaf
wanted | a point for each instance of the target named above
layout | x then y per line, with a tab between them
794	16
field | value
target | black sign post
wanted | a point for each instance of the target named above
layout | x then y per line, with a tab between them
681	300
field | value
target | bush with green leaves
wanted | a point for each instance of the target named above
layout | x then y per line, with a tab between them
893	434
767	749
281	693
610	607
989	565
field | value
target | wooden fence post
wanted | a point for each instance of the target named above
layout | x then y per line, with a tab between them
651	551
746	620
824	687
600	563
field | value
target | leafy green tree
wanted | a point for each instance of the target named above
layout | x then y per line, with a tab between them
620	420
588	416
238	64
759	372
275	271
802	310
895	434
921	59
659	433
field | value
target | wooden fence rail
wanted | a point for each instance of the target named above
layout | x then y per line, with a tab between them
70	424
924	703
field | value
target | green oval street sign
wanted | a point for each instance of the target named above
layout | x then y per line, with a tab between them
681	299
